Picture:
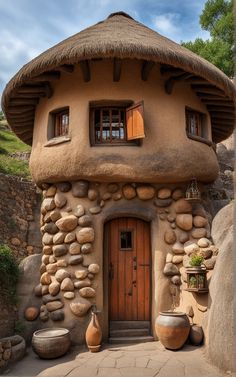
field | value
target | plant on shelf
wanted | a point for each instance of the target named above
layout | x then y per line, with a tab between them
201	281
192	282
196	260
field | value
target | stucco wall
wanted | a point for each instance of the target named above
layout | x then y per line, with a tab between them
165	155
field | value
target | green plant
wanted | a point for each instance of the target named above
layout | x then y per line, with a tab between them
9	274
192	281
19	327
196	260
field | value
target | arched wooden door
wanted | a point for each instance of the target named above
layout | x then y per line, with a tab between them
129	266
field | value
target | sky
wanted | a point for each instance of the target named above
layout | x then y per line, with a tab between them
29	27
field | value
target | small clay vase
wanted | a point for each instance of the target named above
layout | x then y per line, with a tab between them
196	335
93	334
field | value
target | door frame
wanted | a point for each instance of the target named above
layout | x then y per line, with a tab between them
106	281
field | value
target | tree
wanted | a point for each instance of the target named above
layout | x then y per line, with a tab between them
217	18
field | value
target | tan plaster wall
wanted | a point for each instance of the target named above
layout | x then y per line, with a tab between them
165	155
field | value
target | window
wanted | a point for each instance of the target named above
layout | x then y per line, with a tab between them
58	124
126	240
194	122
116	123
197	126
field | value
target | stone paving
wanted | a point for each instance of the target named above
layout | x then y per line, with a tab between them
141	360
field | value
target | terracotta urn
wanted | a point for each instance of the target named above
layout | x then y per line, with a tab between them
196	335
93	334
172	329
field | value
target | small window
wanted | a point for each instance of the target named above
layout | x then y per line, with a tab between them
126	240
58	124
116	123
194	122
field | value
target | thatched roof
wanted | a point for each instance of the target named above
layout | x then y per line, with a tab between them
119	36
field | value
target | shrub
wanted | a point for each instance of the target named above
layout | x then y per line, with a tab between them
9	274
196	260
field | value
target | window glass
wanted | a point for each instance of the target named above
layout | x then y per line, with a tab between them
126	240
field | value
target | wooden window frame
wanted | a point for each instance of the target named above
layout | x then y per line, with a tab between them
201	135
109	105
55	126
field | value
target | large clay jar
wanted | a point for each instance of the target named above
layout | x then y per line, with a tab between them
93	334
172	329
51	343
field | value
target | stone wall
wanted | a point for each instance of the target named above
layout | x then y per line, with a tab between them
19	215
72	269
19	229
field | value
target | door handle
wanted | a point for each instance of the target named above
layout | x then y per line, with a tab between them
135	263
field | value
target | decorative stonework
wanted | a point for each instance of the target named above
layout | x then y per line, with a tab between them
69	268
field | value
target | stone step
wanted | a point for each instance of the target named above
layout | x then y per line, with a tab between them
120	325
131	339
129	333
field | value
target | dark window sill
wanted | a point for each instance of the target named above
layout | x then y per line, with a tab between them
57	140
200	139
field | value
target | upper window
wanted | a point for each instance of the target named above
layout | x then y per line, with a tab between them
116	123
58	124
196	126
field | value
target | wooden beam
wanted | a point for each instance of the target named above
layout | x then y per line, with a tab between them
21	130
210	96
22	119
223	116
20	109
45	89
170	70
220	109
169	84
146	69
84	65
197	80
117	69
31	95
208	89
68	68
18	101
47	76
215	102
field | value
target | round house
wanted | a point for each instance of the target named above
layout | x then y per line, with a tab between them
120	119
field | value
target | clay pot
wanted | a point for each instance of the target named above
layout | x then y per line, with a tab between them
172	329
51	343
196	335
93	334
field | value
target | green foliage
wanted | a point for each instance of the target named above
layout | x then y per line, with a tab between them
217	18
9	274
9	165
192	281
196	260
19	327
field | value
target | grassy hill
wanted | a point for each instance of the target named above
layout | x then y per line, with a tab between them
9	144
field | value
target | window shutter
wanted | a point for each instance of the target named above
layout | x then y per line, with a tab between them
135	122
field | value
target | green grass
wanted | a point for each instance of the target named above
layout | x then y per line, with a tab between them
9	143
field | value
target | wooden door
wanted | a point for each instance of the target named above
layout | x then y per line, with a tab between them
129	267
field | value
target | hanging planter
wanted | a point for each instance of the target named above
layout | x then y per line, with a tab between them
193	193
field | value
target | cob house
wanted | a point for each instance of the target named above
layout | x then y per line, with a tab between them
121	119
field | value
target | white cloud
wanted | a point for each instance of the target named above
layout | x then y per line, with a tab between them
167	24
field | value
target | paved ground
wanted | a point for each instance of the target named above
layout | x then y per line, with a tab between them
142	360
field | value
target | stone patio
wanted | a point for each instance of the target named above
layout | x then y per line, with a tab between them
140	360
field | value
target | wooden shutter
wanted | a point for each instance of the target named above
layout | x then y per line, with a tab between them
135	122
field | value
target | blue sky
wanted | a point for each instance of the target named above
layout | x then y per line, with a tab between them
29	27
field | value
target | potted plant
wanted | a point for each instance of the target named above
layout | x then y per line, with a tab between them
201	281
192	282
196	260
196	274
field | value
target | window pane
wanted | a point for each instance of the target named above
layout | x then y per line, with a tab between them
97	125
126	239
